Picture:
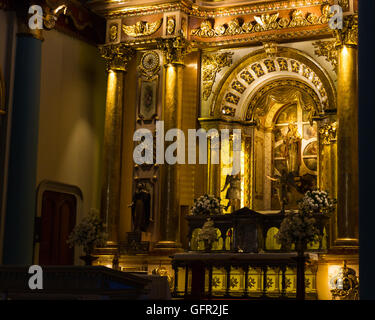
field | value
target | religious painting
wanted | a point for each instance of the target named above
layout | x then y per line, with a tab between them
148	99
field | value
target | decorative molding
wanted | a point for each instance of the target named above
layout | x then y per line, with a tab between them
102	8
174	49
171	26
348	35
211	65
254	107
142	28
264	22
270	48
327	49
117	56
328	133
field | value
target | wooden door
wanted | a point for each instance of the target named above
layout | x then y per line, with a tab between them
57	221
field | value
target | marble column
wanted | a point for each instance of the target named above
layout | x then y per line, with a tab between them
347	133
174	51
21	190
117	57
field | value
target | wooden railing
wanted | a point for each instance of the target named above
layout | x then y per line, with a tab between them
240	276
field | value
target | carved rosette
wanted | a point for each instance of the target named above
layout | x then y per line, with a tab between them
328	133
211	65
174	50
117	56
348	35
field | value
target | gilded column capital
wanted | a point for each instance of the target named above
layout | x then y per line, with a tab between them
117	56
348	35
174	50
328	133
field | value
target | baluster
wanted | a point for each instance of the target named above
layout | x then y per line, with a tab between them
264	269
246	269
227	269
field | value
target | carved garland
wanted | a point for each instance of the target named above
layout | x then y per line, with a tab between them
262	23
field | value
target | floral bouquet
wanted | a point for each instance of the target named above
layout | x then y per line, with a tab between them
208	234
205	205
317	201
89	233
298	228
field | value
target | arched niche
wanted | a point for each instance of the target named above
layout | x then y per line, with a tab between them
243	82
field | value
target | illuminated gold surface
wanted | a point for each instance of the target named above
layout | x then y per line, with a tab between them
110	204
142	28
347	137
174	51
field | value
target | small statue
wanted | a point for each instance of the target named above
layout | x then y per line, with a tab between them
233	192
141	208
282	182
292	151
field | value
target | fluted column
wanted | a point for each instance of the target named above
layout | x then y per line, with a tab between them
174	51
347	133
117	57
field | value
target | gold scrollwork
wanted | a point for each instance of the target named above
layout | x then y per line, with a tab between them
328	133
117	56
142	28
174	49
348	35
171	25
328	50
211	65
264	22
113	32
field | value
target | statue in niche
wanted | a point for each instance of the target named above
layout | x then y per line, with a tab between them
141	207
292	149
233	192
282	185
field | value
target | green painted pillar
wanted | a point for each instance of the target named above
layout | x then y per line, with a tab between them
21	191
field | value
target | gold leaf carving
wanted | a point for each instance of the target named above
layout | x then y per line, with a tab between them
328	50
261	23
211	65
142	28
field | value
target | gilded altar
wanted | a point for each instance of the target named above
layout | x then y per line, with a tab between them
274	70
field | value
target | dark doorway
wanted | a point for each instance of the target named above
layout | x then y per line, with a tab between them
57	221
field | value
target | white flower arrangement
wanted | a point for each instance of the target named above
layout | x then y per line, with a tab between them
89	233
208	232
206	204
298	227
317	201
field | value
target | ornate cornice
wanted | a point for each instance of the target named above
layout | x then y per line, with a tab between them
348	35
112	9
265	22
327	49
117	56
174	50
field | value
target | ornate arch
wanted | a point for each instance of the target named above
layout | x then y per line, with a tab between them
241	88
